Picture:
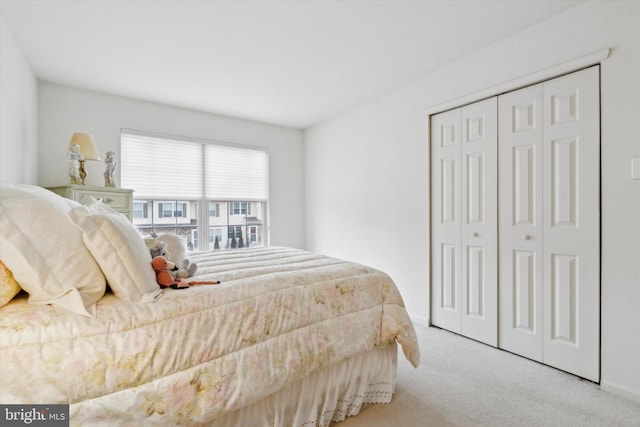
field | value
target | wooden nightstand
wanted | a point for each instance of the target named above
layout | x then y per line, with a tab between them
118	199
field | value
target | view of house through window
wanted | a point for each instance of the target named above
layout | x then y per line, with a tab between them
230	225
212	195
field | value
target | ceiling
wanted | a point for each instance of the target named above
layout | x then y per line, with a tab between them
285	62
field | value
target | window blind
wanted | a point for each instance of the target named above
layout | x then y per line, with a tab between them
163	167
235	173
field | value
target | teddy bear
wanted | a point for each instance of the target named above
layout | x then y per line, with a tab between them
173	249
163	268
165	279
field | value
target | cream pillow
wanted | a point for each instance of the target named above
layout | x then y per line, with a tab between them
9	288
120	250
45	251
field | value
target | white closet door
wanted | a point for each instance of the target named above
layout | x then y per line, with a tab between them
549	204
445	220
464	221
479	228
571	281
520	207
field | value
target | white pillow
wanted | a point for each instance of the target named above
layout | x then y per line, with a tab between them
120	250
44	249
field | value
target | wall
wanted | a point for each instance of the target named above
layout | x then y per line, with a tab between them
367	173
64	110
18	113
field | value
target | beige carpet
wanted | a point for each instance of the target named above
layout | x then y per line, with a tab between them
461	382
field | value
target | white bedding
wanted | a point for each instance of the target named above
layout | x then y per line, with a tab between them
279	316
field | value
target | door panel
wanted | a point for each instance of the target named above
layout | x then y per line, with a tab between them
475	190
475	282
479	272
449	278
572	223
449	191
520	211
564	182
564	298
524	307
445	214
524	203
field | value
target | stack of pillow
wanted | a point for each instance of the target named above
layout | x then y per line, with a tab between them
64	254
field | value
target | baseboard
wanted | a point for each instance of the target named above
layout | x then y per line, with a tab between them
419	320
620	390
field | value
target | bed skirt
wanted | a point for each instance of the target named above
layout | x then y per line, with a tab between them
326	396
330	395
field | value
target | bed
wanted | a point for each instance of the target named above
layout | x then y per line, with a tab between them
289	337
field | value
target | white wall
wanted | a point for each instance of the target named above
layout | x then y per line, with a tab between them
64	110
18	113
367	173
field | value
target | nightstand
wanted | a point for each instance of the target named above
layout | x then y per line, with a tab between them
118	199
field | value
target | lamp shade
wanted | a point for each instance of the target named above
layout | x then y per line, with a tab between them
88	148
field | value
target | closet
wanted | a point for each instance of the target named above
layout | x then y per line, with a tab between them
515	225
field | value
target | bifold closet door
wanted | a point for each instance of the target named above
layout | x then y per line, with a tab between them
571	247
446	237
520	213
479	203
549	208
464	221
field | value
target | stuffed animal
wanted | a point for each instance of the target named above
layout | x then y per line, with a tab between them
172	247
156	247
185	269
165	279
163	268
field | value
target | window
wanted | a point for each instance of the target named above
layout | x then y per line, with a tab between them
214	210
240	208
172	209
175	177
140	210
167	216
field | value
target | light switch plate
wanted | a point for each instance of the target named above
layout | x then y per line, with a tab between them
635	168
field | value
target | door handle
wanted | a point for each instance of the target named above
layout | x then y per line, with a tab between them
526	237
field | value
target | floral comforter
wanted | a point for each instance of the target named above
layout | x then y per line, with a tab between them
278	315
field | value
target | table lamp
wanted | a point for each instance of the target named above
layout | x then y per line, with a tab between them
81	147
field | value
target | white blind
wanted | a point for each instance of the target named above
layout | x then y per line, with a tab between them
235	173
162	167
